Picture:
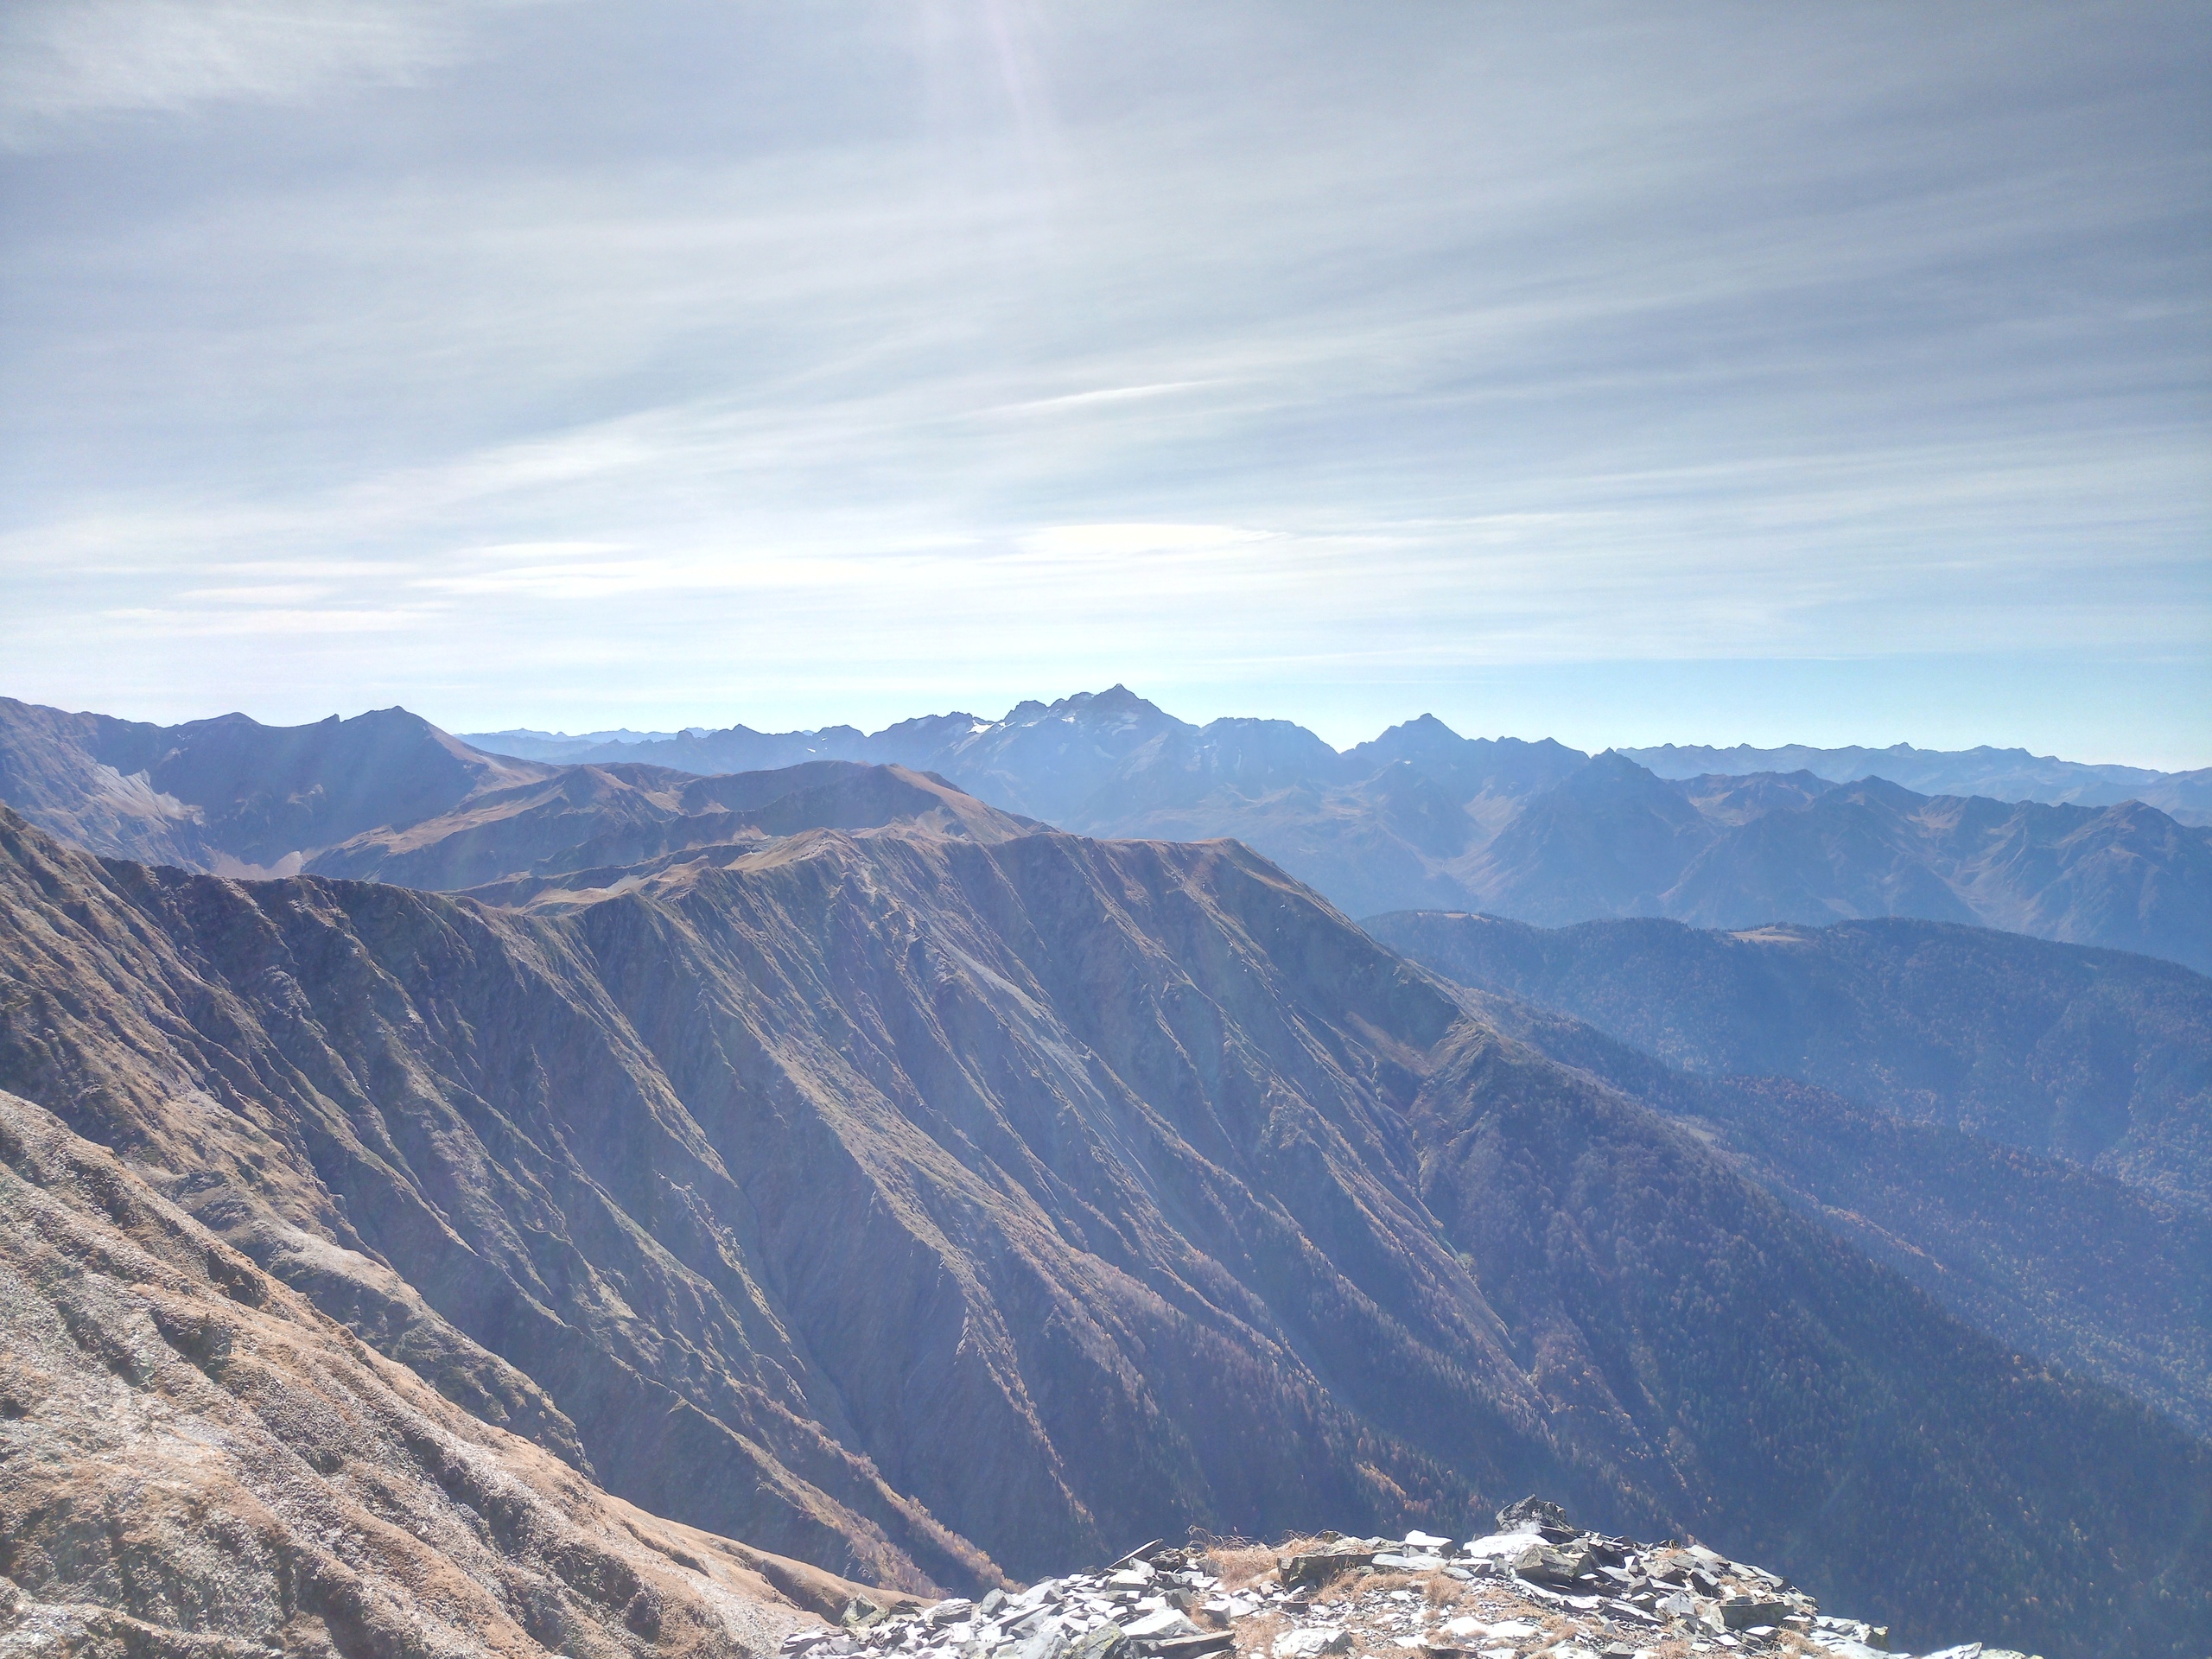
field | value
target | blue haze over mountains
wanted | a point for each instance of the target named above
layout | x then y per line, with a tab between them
1421	818
628	1194
2000	774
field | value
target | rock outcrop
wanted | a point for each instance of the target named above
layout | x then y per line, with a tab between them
1538	1587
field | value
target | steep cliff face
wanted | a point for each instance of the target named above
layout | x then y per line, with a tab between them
198	1462
927	1207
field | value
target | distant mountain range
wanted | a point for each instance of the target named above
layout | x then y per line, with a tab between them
1996	774
963	747
1420	818
387	795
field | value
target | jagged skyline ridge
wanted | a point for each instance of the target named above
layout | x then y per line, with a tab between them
2006	774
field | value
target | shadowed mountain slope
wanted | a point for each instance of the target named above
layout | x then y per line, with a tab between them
2089	1273
1609	838
198	1462
892	1199
1983	1076
2096	1057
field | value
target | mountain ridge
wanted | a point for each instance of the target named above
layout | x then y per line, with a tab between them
1966	1027
1024	1110
2008	774
1420	818
2016	1125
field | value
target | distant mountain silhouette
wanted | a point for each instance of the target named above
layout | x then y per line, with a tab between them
1996	774
1464	767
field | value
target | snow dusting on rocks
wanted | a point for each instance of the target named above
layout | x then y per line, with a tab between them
1538	1587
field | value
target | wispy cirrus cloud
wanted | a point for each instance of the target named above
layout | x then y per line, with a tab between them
684	354
63	61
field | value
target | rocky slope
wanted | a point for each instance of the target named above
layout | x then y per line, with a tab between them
195	1461
929	1206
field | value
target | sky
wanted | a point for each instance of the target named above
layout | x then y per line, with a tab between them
1625	374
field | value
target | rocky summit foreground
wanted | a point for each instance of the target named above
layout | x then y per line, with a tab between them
1536	1588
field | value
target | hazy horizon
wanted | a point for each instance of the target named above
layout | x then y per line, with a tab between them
1342	738
1715	375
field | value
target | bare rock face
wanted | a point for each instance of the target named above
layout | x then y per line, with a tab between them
193	1460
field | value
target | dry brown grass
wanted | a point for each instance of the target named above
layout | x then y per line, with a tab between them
1352	1584
1238	1566
1257	1634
